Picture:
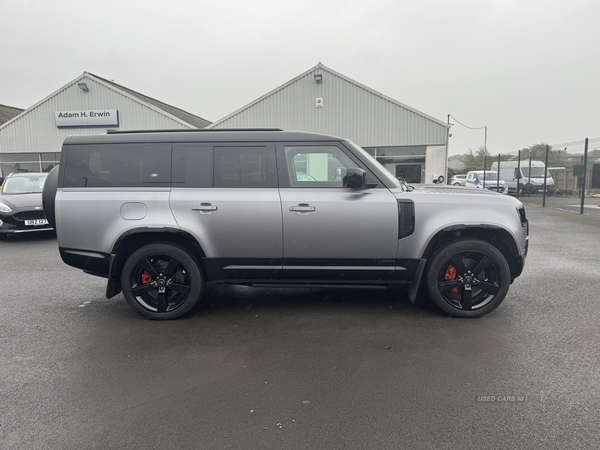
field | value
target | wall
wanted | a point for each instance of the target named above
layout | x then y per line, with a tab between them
435	162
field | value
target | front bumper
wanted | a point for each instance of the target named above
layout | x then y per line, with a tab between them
13	223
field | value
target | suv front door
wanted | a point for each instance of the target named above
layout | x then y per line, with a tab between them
331	232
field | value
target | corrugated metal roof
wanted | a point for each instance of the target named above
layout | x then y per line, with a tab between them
196	121
8	112
349	109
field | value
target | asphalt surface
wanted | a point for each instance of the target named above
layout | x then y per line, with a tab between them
304	369
591	205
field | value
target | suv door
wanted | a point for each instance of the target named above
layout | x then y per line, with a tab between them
331	232
226	196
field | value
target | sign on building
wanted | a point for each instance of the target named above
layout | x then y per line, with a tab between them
98	118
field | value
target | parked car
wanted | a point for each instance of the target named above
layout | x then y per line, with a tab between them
160	214
475	179
458	180
21	204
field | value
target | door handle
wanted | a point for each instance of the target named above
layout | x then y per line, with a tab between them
302	207
204	207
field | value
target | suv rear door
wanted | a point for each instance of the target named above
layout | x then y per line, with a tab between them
226	196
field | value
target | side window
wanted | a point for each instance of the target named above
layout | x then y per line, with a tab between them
516	173
118	165
192	166
470	177
316	166
240	167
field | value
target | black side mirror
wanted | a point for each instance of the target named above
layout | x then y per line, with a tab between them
355	178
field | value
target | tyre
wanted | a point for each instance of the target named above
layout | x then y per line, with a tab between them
468	278
162	281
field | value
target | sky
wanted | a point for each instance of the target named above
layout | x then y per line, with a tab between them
528	70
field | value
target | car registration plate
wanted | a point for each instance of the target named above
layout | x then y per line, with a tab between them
36	222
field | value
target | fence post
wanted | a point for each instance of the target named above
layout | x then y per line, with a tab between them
585	152
518	173
529	179
484	166
545	176
498	175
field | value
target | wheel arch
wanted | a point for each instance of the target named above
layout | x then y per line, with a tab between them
497	236
131	240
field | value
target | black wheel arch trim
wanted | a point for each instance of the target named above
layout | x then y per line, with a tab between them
127	243
505	243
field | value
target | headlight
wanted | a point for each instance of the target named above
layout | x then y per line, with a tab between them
4	208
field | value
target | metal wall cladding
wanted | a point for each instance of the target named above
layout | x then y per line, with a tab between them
36	130
349	110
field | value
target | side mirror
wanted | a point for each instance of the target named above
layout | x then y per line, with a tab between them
355	178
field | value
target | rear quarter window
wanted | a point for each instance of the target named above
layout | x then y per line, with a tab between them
117	165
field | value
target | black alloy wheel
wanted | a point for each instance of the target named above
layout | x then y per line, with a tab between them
162	281
468	278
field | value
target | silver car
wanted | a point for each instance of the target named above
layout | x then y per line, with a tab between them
458	180
160	214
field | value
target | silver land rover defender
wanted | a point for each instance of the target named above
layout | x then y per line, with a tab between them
160	214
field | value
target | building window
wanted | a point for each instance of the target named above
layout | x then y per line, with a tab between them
27	162
406	163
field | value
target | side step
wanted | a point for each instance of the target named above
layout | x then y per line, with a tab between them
317	286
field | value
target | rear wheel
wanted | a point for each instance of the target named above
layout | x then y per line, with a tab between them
468	278
162	281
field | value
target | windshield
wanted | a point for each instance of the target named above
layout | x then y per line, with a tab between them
382	170
536	172
24	185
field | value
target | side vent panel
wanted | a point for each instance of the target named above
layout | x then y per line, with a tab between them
406	218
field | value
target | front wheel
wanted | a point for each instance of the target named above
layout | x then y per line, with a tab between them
468	278
162	281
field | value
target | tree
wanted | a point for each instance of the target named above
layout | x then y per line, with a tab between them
538	153
474	159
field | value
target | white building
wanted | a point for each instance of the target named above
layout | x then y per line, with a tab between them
32	140
409	143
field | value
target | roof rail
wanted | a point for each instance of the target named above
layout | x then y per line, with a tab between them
187	130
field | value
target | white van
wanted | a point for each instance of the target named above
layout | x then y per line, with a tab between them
475	180
509	171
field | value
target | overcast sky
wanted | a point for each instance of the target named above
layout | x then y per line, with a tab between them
529	70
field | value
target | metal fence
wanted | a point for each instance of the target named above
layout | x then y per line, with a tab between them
561	175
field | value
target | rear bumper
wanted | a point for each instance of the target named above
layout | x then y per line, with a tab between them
92	262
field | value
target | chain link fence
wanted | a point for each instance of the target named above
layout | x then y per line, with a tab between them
565	175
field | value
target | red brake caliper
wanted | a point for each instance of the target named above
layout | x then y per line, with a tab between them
146	278
451	273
